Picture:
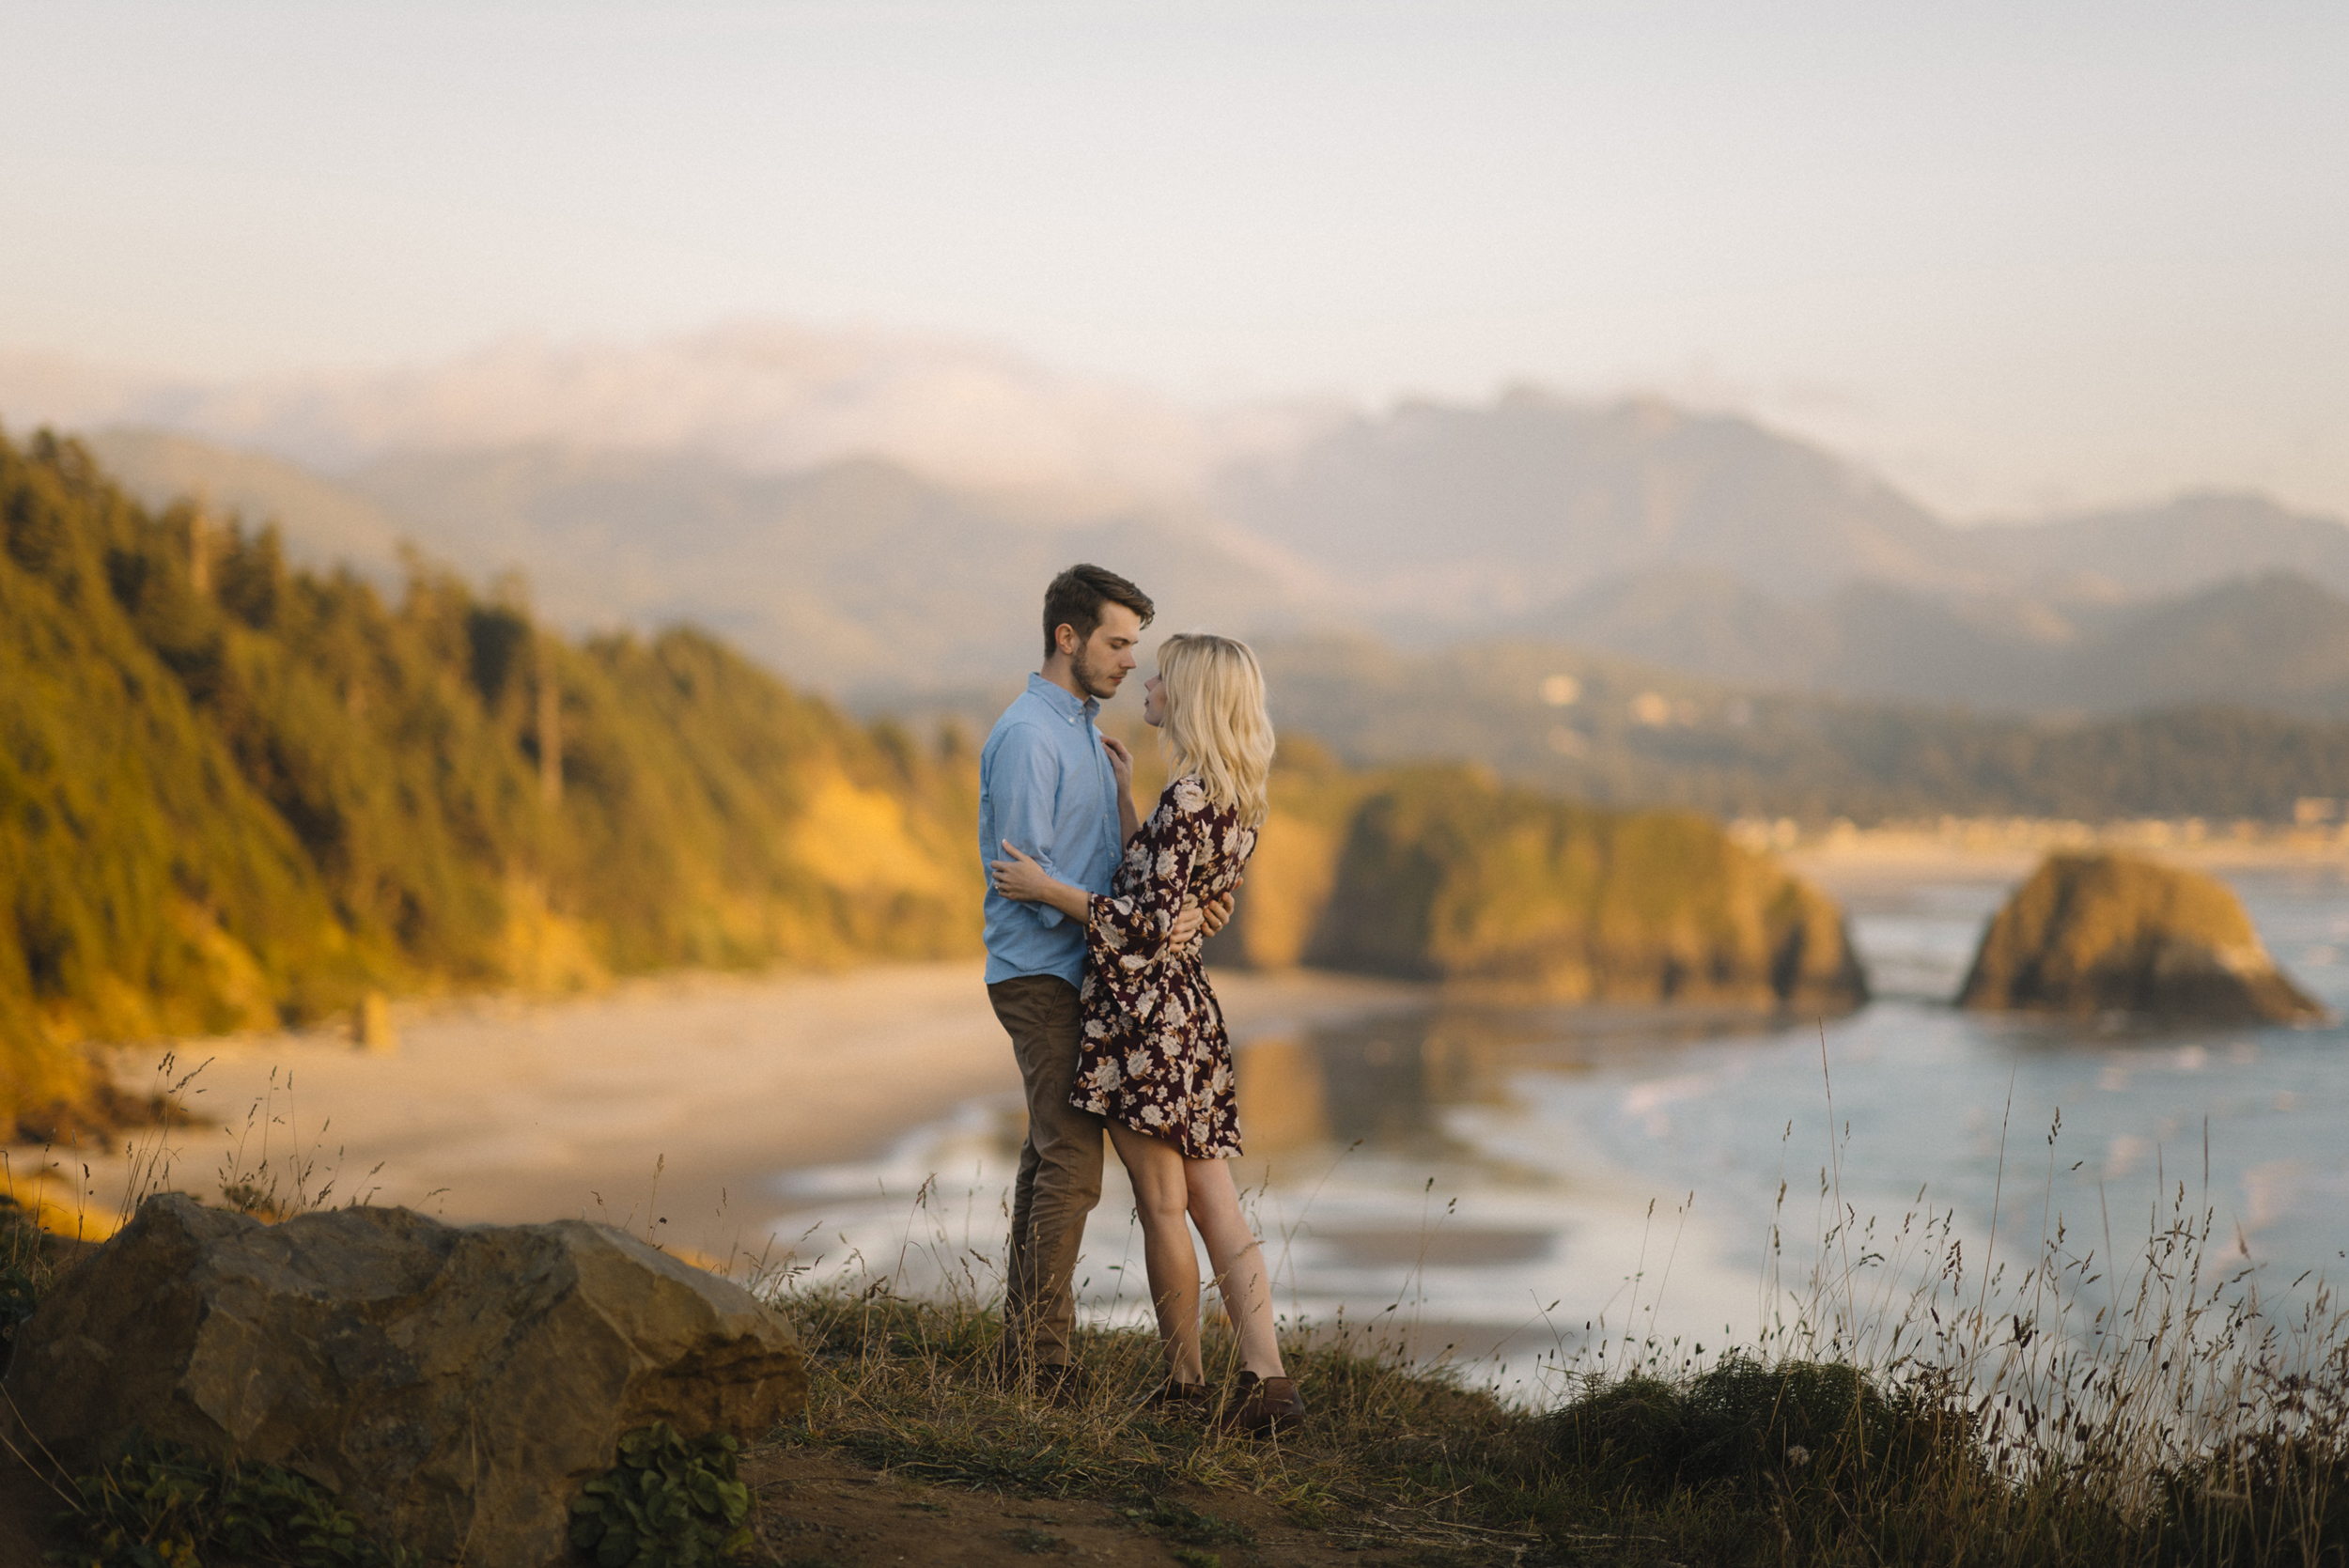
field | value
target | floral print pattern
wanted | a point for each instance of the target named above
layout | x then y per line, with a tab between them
1155	1056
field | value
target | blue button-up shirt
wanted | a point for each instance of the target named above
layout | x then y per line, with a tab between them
1045	783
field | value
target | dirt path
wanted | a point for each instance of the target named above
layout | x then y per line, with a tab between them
819	1506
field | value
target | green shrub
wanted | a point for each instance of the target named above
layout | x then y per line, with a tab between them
2228	1505
668	1503
1634	1424
1742	1422
19	1296
164	1506
25	1269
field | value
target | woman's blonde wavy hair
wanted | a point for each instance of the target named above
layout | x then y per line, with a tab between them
1215	726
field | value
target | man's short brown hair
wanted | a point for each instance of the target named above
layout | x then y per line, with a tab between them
1075	598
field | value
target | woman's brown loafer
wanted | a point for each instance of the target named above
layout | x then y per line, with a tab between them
1262	1405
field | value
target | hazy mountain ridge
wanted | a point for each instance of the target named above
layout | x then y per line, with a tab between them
2276	640
821	498
1533	501
865	579
859	576
326	522
1467	511
2167	545
1612	732
762	395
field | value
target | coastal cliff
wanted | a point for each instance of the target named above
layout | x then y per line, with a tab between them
237	795
2102	933
1444	873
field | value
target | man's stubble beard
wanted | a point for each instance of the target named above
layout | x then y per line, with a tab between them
1089	676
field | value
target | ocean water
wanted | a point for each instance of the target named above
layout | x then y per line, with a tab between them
1511	1185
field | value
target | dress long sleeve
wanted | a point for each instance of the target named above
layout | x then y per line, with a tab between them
1129	927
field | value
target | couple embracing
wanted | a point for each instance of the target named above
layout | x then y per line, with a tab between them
1094	920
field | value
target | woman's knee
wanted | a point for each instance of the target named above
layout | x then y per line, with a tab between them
1155	1170
1209	1193
1160	1202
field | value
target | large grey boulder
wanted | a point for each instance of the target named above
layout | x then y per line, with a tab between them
2098	933
455	1385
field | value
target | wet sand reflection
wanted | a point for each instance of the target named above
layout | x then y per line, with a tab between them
1383	1083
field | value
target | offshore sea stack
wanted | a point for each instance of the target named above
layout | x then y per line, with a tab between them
1444	874
2112	933
455	1387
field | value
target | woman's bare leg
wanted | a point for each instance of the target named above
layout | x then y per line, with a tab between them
1162	1198
1238	1260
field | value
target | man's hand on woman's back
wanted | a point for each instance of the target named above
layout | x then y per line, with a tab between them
1219	910
1195	920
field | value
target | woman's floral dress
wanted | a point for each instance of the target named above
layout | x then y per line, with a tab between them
1155	1056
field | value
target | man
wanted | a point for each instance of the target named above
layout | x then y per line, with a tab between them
1051	782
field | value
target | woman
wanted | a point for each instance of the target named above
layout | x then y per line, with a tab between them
1155	1060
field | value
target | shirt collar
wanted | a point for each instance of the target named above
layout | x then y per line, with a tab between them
1063	702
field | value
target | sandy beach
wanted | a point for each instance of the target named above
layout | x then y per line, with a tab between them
663	1106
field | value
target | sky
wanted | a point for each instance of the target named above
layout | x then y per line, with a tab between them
2017	256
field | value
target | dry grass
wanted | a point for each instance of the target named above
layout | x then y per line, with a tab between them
2051	1401
1389	1451
1906	1404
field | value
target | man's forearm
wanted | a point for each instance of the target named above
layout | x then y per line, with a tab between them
1075	903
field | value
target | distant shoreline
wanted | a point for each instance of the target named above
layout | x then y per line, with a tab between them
2007	848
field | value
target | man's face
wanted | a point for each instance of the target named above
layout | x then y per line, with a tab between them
1107	656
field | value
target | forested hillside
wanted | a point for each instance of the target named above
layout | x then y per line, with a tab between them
235	795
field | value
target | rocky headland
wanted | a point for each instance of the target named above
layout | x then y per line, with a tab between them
2116	933
1445	874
